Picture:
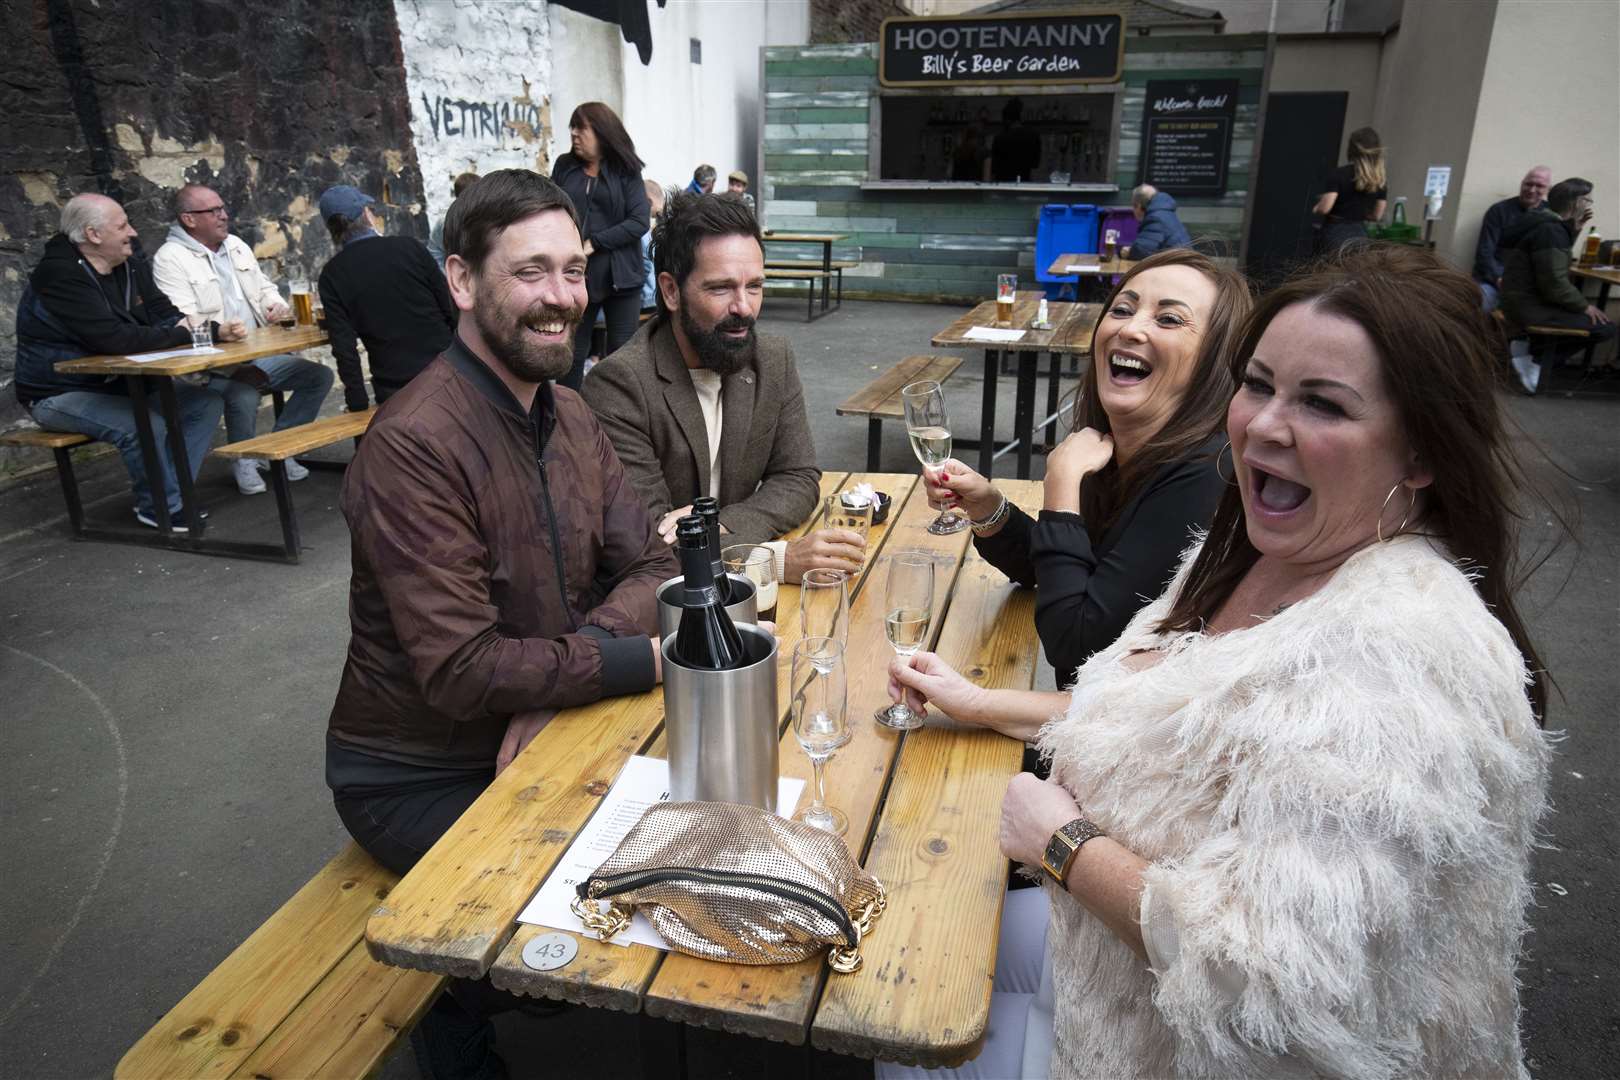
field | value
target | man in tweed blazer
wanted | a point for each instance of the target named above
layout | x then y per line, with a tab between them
697	403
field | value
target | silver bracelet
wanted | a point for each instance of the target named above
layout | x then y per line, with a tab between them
981	527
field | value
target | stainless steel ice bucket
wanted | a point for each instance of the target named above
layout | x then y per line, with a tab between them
721	727
741	611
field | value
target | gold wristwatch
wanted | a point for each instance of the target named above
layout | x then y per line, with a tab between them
1064	845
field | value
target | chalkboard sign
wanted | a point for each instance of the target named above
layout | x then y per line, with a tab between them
1187	135
1051	47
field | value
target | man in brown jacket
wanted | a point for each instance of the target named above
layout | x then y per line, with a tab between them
503	565
697	403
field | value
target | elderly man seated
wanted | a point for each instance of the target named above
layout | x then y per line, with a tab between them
1161	228
92	295
697	403
208	273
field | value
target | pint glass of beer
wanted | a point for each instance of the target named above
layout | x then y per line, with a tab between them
1006	295
303	303
1589	255
1110	244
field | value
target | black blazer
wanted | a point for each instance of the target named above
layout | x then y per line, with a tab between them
613	215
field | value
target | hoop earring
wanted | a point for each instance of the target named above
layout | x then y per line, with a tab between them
1411	504
1227	449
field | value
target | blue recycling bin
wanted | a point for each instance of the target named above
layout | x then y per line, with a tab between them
1063	229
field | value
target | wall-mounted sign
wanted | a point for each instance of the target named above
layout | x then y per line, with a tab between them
1187	135
1078	46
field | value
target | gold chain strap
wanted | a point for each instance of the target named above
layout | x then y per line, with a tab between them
846	959
605	925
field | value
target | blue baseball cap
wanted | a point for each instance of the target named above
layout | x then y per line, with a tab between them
346	200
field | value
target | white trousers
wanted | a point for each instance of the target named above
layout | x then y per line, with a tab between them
1018	1045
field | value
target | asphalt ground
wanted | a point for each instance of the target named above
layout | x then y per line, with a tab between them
162	714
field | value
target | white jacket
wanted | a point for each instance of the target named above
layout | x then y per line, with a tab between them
185	272
1338	807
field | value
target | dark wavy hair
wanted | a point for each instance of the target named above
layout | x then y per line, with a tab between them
1201	413
504	197
617	148
687	221
1439	356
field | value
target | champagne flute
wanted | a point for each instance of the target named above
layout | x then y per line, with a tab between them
930	433
824	606
908	602
820	720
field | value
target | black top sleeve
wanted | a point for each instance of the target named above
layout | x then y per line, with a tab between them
637	212
439	286
76	299
1085	595
1008	549
345	343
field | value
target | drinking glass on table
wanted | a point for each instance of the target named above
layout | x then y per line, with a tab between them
847	510
303	301
908	603
824	606
1006	296
819	710
758	564
929	430
202	337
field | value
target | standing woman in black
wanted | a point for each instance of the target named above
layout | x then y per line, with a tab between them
602	175
1354	193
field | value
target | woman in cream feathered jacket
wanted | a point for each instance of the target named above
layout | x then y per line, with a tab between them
1291	809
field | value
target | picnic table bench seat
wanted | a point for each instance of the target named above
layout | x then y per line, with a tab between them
809	273
300	998
277	446
879	400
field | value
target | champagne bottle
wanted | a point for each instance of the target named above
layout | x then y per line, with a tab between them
706	637
707	508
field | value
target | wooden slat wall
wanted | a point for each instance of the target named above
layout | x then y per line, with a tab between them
820	102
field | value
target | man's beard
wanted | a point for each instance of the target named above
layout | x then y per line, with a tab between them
717	352
513	345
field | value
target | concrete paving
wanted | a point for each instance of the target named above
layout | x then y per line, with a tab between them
162	718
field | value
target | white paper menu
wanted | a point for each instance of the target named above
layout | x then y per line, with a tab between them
643	782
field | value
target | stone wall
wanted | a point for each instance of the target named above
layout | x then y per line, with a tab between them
834	22
267	101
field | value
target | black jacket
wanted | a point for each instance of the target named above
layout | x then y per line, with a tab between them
1535	269
1086	590
1493	231
68	311
613	213
389	293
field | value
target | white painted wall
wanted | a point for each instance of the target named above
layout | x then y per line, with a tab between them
478	74
683	114
1570	122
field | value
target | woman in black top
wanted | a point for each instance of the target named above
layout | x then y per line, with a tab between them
602	175
1354	193
1126	489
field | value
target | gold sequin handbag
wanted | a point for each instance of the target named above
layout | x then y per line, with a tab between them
735	883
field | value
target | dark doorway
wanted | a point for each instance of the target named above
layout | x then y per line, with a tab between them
1299	148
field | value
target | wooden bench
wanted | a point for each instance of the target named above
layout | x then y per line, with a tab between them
879	400
1542	338
810	275
278	446
836	266
59	443
299	998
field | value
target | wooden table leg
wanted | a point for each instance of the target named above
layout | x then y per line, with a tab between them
149	452
987	420
1024	411
178	456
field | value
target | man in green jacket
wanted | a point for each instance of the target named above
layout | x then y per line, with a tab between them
1536	287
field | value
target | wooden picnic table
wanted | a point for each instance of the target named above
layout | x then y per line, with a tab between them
1606	277
1090	264
1070	335
923	811
145	377
826	240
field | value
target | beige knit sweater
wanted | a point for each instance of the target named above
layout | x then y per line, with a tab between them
1338	806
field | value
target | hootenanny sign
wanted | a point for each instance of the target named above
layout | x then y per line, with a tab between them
1051	47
